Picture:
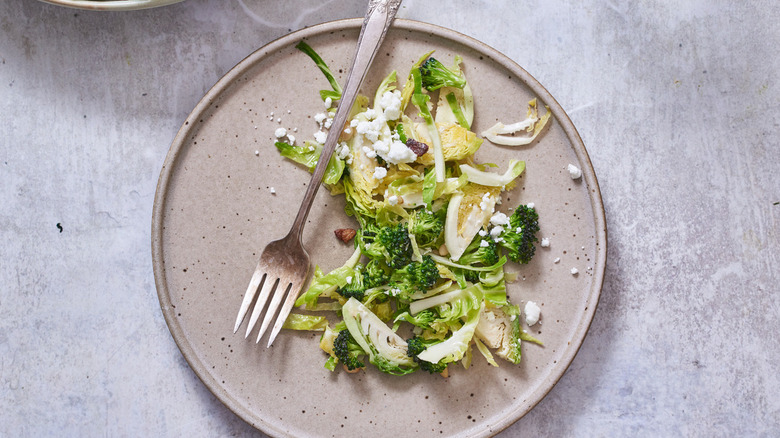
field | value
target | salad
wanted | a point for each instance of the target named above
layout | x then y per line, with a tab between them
426	282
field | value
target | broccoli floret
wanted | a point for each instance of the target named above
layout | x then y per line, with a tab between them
426	226
390	243
375	274
396	245
520	234
435	75
422	319
416	276
348	351
352	290
417	345
478	252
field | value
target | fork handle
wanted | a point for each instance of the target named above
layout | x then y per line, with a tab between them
379	16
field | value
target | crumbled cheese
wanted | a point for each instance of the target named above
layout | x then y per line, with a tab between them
490	316
370	153
328	123
574	171
574	271
320	137
280	132
354	123
532	313
272	190
347	131
380	172
291	138
545	242
496	231
499	219
320	118
531	205
370	114
557	260
328	102
483	205
257	153
391	102
483	233
369	129
484	243
342	150
349	280
392	200
400	153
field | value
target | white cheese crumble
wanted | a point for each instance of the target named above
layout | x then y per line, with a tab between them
272	190
557	260
574	171
320	137
320	118
257	153
499	219
531	205
392	200
545	242
328	102
400	153
342	151
484	243
496	231
349	280
532	313
290	138
280	132
574	271
483	233
370	153
483	205
380	173
391	104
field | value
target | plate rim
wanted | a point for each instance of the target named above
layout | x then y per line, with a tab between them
588	175
111	5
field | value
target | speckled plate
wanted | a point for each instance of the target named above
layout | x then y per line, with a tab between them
214	210
112	5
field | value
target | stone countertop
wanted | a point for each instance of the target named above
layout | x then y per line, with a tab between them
678	106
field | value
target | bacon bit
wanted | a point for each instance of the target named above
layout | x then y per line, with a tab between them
417	147
345	234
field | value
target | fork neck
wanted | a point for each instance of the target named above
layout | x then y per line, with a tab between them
379	16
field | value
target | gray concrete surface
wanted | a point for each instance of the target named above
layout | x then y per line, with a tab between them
676	103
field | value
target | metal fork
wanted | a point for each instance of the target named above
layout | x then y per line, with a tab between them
284	264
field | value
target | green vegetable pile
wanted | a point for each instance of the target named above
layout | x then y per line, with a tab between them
426	281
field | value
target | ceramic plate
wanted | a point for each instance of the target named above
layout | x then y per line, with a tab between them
112	5
215	210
